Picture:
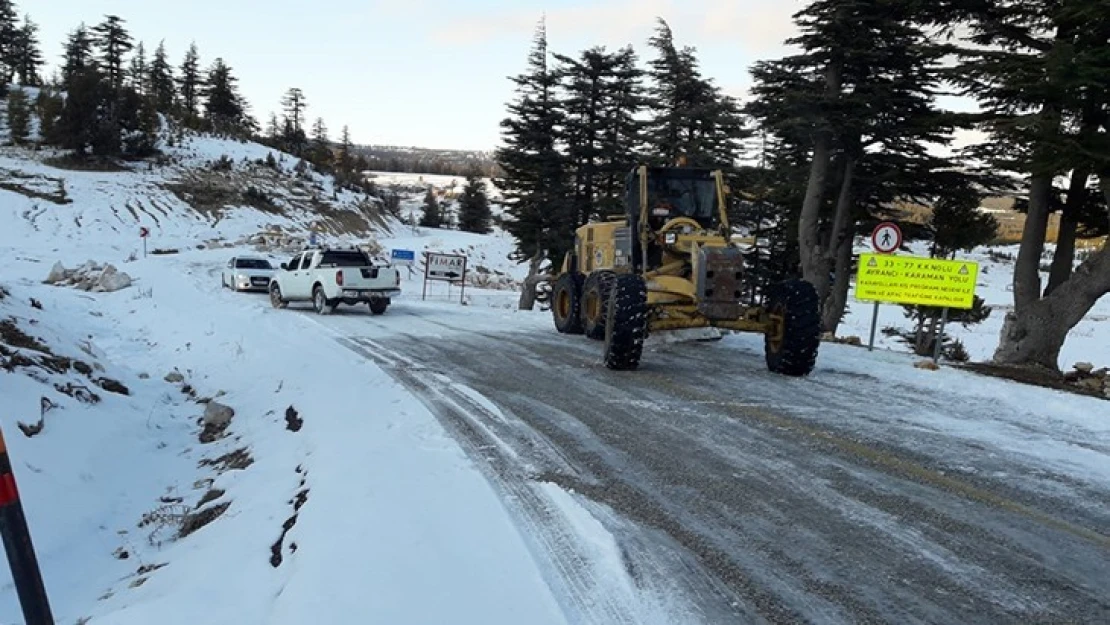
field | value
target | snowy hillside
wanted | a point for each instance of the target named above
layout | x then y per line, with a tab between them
203	191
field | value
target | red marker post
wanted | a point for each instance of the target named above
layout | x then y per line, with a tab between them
144	232
21	553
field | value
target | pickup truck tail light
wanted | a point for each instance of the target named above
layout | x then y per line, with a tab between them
339	277
397	279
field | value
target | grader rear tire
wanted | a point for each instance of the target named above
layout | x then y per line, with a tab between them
626	322
566	303
793	351
595	303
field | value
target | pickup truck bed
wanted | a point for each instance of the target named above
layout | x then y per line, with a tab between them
328	278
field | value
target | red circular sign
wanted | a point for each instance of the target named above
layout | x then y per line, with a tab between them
886	237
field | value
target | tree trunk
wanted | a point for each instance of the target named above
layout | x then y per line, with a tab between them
1027	278
843	211
528	291
926	342
1064	257
814	270
1034	334
809	243
838	297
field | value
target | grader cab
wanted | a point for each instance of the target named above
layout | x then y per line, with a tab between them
671	263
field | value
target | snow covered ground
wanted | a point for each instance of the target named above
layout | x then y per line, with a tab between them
394	522
334	495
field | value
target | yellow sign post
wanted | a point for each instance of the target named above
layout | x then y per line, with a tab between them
916	281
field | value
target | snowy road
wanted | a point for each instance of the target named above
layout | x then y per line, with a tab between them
740	496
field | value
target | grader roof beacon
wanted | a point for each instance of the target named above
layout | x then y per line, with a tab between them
670	263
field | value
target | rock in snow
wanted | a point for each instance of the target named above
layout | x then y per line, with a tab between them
112	280
217	415
57	273
89	277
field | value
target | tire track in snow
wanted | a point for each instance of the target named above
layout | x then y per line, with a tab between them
803	520
474	427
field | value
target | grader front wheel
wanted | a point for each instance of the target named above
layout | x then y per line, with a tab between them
626	322
791	345
566	302
595	303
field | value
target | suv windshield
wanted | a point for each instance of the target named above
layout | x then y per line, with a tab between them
252	263
352	258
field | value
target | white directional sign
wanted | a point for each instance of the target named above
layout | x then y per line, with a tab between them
448	267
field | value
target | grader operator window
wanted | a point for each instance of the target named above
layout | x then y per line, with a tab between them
681	193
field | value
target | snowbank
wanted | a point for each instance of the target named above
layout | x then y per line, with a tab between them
368	508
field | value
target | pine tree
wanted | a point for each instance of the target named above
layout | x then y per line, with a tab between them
81	125
1040	71
860	99
293	133
138	75
693	120
624	132
432	214
321	144
191	83
19	116
534	184
345	147
163	89
134	126
224	106
49	107
320	134
273	130
9	34
114	42
294	105
78	53
474	209
600	102
26	54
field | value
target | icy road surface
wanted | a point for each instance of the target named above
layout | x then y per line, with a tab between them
870	492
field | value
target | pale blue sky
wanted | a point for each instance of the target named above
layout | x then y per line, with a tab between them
431	73
428	73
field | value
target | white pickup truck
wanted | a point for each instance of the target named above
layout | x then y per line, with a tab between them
329	277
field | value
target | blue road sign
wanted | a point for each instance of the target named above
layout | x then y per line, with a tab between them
403	256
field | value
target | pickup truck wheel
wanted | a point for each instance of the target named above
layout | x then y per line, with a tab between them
320	302
275	297
378	306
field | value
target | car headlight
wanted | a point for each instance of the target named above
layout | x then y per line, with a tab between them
241	277
671	238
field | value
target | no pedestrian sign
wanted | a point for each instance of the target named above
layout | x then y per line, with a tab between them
916	281
887	237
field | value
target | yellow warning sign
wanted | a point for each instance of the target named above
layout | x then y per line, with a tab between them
916	280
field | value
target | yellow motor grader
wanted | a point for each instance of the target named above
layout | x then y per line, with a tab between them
671	263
